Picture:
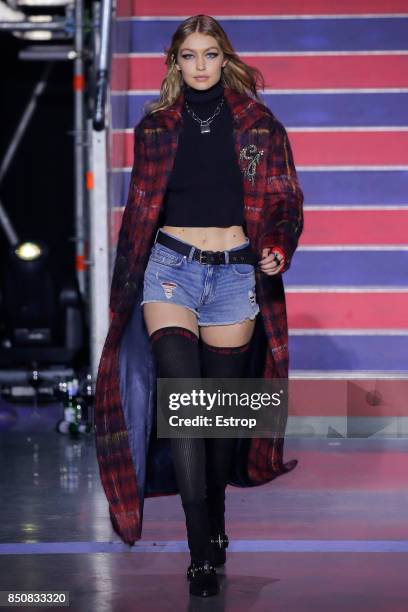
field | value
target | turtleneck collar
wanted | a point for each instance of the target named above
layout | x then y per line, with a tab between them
204	95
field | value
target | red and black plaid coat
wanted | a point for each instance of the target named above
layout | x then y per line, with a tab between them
273	217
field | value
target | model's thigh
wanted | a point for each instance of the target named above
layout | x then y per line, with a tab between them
235	334
160	314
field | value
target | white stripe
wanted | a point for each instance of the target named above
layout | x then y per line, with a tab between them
349	168
355	207
120	170
348	332
364	129
386	52
345	207
268	91
268	17
136	92
295	130
313	168
120	131
354	247
344	90
345	374
316	129
345	289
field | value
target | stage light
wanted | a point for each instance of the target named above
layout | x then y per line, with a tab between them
30	302
28	251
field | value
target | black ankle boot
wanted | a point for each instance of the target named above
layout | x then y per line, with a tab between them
201	572
203	578
219	542
216	516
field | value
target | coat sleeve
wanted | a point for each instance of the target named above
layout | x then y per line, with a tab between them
283	206
121	269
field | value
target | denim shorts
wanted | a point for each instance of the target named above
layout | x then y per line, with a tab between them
219	294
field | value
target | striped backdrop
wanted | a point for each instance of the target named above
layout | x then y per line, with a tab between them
338	80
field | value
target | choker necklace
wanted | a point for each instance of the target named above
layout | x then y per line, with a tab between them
204	123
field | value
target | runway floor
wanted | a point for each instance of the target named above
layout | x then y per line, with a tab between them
331	535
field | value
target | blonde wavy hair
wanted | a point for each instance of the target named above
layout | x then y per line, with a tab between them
236	74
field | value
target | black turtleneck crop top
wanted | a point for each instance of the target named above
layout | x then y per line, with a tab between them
205	187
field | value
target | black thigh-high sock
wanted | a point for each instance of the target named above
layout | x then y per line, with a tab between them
176	353
220	362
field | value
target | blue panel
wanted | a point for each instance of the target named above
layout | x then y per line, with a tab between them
356	187
348	353
276	35
348	268
127	110
327	188
119	187
331	110
299	110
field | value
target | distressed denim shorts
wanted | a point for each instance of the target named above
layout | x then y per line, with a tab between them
219	294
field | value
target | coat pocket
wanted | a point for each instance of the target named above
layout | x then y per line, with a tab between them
165	256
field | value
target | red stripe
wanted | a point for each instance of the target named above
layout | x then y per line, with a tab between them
348	398
350	148
315	148
261	7
347	310
337	227
283	72
115	221
122	150
355	227
341	468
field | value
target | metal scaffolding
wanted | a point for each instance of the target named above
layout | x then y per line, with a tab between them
90	140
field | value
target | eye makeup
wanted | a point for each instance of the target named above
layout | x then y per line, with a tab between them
213	55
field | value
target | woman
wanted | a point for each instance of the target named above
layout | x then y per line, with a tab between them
213	181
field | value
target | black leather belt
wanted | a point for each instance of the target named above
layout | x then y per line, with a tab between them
245	255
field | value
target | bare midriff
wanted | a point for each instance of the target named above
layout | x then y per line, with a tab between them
209	238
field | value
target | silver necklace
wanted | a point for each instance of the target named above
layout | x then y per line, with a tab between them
205	123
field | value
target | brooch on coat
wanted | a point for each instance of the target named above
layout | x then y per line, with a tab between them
252	155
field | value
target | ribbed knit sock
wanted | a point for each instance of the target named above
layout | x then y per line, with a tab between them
176	352
220	362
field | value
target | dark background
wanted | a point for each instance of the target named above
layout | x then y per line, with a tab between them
38	190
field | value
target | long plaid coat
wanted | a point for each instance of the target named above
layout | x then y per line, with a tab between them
133	463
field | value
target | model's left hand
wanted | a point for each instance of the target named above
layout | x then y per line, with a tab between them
268	263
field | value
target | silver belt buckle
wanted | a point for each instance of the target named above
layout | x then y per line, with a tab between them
200	258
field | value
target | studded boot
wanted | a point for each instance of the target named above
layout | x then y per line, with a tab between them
201	572
216	516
